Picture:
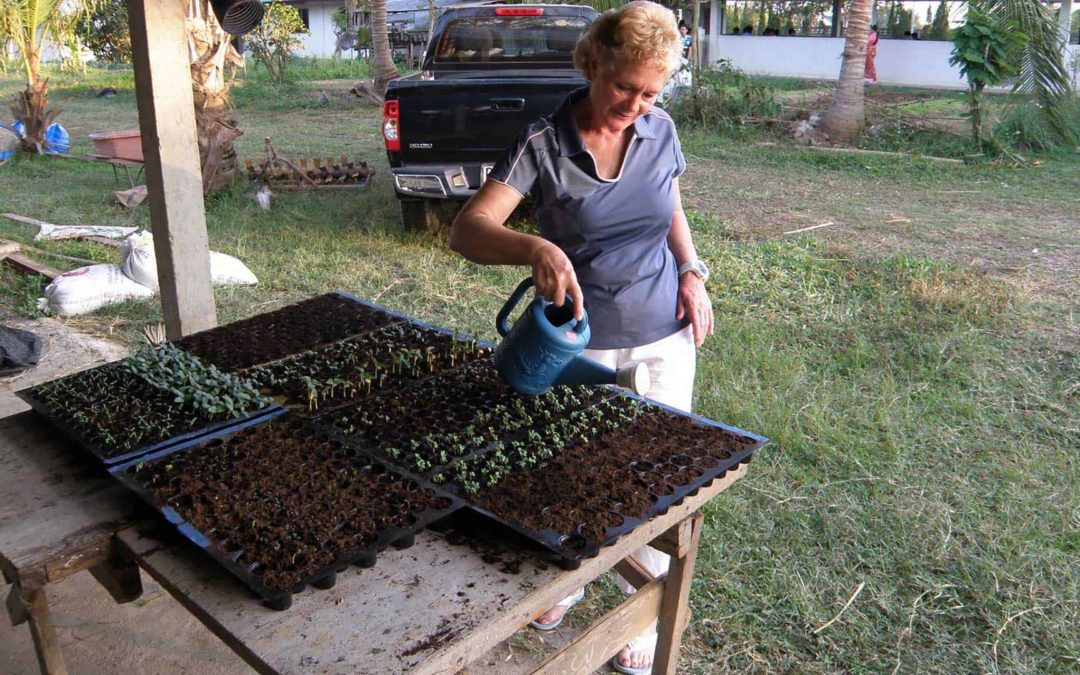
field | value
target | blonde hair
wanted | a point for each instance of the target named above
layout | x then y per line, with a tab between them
640	32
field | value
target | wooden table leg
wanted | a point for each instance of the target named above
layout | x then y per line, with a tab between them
120	576
675	609
35	610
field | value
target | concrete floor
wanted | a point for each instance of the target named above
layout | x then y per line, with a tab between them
154	634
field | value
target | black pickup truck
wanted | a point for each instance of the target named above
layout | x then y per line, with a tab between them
488	72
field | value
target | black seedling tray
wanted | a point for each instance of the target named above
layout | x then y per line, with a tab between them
220	345
309	361
323	577
574	547
61	421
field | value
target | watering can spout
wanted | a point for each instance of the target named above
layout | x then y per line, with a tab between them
583	370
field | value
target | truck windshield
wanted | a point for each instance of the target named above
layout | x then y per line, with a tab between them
510	39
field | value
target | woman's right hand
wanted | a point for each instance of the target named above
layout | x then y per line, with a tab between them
554	277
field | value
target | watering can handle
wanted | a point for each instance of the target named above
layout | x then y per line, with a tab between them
502	320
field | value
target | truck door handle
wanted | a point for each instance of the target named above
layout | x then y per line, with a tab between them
507	104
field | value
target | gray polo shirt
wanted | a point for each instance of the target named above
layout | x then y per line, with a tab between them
614	231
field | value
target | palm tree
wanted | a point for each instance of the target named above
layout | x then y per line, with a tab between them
384	62
846	117
27	24
212	54
1038	62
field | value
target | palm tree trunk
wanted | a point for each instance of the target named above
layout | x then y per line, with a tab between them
384	62
30	104
209	49
846	117
30	107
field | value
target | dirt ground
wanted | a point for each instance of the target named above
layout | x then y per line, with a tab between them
983	223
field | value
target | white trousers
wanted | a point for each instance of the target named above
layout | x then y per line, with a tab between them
672	362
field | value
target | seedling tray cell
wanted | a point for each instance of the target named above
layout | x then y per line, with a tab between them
592	493
115	416
281	505
290	330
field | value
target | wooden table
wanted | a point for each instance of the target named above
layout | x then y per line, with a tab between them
58	516
126	164
432	608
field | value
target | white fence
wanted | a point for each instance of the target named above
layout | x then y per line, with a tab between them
915	63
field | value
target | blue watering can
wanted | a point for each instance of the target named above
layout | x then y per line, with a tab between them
544	348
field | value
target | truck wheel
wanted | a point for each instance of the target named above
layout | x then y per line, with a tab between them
421	215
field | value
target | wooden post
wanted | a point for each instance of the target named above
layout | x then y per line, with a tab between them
173	172
836	18
47	647
675	609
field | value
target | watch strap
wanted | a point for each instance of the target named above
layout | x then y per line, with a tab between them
695	266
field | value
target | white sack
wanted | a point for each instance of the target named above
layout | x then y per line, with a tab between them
88	288
139	263
226	270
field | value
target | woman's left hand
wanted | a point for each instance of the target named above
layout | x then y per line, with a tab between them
694	302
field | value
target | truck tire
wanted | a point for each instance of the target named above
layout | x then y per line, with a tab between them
421	215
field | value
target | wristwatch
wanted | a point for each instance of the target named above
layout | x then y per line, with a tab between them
697	267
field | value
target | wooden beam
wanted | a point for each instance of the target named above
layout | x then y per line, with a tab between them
27	265
676	541
607	636
8	247
634	572
675	608
173	170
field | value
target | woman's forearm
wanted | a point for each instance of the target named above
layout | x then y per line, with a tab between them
479	232
487	242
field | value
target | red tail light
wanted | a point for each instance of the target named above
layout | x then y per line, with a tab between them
390	126
519	11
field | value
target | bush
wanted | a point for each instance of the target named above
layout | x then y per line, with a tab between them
1024	127
275	39
726	99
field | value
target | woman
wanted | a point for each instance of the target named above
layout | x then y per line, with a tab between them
687	41
870	75
603	175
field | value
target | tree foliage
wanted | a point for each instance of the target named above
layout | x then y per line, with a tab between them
274	40
939	27
982	49
1037	60
104	30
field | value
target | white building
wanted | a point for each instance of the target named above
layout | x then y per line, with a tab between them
407	20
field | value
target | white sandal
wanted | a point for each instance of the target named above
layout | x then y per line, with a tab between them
642	643
566	602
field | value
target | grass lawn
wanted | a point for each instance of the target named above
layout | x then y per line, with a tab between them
915	364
